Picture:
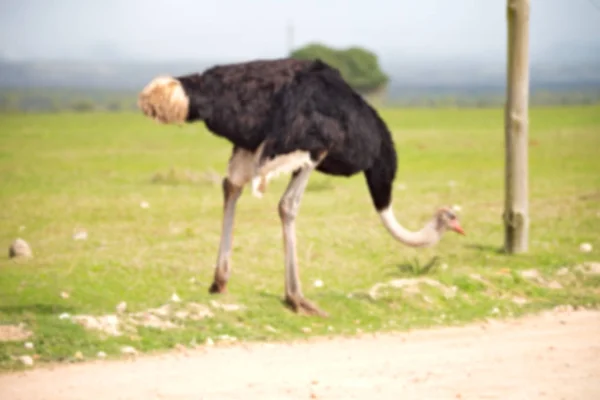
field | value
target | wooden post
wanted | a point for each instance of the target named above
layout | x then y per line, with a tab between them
516	125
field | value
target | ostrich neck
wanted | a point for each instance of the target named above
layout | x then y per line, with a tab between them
427	236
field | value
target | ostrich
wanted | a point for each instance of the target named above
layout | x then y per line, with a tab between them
294	116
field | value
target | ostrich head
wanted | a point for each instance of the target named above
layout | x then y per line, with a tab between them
446	219
165	101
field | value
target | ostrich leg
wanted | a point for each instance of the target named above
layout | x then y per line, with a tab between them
288	209
231	193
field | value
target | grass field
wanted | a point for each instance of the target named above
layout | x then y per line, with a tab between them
66	172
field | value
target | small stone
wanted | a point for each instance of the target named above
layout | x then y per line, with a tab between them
28	345
270	329
227	338
585	247
530	274
181	314
121	307
519	300
306	329
318	283
175	298
555	285
495	310
78	355
144	204
80	235
444	266
64	316
19	248
401	186
567	308
26	360
101	354
64	295
456	208
590	268
231	307
226	307
128	350
209	342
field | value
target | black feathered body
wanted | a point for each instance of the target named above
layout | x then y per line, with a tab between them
292	105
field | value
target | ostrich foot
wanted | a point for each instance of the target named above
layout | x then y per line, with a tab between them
300	305
218	287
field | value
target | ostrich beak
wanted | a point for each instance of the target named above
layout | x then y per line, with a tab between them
455	226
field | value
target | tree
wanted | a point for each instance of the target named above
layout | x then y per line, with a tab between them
516	122
358	66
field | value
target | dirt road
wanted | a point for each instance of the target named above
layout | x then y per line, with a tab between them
551	356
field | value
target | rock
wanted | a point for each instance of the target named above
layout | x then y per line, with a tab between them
80	234
26	360
227	338
101	354
567	308
530	274
519	300
121	307
554	285
589	268
19	248
128	350
108	324
28	345
318	283
226	307
585	247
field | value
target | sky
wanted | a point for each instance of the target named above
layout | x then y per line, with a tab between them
235	30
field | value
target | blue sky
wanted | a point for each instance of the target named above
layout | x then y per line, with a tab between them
245	29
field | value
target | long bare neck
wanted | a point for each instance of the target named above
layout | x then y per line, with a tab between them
427	236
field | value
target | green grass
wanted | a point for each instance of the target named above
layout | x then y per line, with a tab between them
91	171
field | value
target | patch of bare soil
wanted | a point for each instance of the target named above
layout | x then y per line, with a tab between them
14	333
164	317
550	356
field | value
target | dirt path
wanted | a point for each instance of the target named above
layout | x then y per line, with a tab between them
551	356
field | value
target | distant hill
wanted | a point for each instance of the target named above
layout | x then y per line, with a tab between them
451	76
108	75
